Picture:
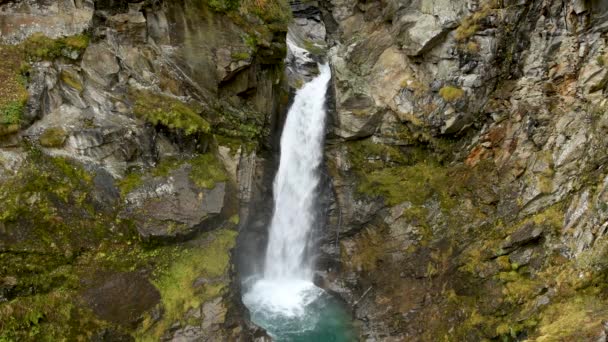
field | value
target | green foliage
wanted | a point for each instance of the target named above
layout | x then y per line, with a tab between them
271	11
451	93
45	317
163	110
53	137
176	283
416	184
13	93
129	183
239	56
577	319
224	5
10	113
207	170
471	24
40	47
244	125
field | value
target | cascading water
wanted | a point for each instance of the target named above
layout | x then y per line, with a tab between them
284	299
295	186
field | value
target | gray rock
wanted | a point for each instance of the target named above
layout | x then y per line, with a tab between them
420	33
173	206
530	232
100	64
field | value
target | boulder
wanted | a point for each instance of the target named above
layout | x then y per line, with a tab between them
173	206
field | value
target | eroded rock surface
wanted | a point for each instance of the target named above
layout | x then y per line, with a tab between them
466	152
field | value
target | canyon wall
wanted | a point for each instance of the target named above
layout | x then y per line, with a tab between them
467	155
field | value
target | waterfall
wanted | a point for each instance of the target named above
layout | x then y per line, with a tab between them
285	288
296	182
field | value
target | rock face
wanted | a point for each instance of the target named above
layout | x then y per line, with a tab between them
173	206
131	136
466	152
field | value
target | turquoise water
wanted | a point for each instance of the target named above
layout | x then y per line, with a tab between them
322	320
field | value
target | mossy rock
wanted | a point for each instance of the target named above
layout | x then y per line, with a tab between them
13	93
53	137
196	275
160	109
451	93
40	47
71	80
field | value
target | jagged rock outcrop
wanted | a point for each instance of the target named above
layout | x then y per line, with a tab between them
466	152
131	137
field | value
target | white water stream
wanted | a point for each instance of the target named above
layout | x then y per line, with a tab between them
285	290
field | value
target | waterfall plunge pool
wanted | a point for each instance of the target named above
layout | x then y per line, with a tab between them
298	311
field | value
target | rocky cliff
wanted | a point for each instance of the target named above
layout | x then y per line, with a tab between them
132	137
467	155
466	195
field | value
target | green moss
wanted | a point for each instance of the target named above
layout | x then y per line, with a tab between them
416	184
239	56
176	282
53	137
577	319
71	80
13	93
313	48
271	11
224	5
365	251
367	156
130	182
10	113
46	317
163	110
251	41
40	47
451	93
242	124
207	170
471	24
235	144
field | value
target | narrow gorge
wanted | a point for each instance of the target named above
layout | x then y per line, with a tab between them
327	170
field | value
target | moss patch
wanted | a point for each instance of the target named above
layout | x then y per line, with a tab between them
471	24
40	47
578	319
416	184
207	170
53	137
451	93
71	80
13	93
159	109
271	11
177	282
